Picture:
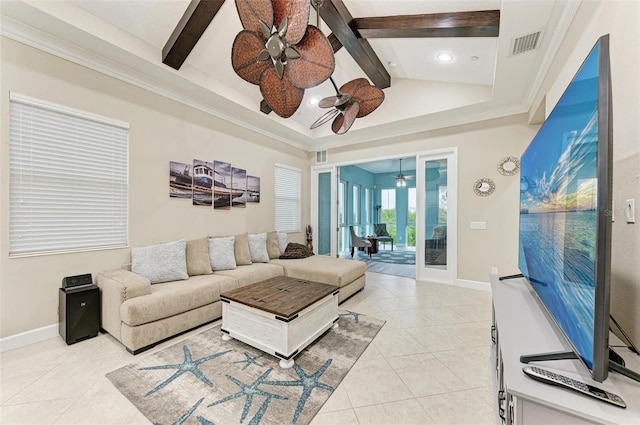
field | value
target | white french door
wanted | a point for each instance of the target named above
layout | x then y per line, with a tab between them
436	215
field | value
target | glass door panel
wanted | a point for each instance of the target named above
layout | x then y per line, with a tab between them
435	252
324	211
324	214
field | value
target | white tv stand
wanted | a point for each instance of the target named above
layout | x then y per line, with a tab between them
522	326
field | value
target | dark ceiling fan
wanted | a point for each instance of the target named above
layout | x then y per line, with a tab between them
355	99
401	179
279	51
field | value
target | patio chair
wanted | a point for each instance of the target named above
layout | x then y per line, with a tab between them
380	230
359	242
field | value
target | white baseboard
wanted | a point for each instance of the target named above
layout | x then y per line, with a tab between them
473	284
28	338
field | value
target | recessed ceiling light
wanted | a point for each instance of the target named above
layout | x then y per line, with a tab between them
444	57
474	58
392	64
314	100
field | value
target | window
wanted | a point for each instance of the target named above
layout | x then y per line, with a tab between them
388	201
356	205
342	217
342	202
287	198
411	217
388	198
68	179
367	209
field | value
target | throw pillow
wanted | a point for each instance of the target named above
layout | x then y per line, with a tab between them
198	257
221	254
295	251
258	248
282	241
272	246
161	263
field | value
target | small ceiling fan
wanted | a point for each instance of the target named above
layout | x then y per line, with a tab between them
401	179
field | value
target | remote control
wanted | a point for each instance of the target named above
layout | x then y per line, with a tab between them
553	378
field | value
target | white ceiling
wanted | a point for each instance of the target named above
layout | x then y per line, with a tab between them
125	39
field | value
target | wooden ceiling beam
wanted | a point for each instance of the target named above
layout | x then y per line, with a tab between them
339	20
484	23
335	43
194	22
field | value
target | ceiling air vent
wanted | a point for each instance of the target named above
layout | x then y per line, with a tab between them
525	43
321	157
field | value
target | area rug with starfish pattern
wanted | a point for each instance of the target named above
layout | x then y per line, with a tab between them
205	380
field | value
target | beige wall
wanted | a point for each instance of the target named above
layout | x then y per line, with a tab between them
480	147
620	19
161	131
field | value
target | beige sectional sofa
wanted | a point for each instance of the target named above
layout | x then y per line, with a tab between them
141	314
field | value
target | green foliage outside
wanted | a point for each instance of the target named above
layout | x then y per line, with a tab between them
389	216
411	235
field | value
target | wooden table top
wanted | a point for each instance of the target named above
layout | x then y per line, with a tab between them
283	296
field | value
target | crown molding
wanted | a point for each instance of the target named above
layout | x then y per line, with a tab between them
174	90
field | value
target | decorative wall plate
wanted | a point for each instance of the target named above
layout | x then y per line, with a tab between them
484	187
508	166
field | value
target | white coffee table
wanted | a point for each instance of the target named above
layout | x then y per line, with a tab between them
280	316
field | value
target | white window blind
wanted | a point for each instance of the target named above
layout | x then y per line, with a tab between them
287	199
68	179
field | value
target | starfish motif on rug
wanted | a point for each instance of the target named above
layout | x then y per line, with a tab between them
188	365
188	414
250	360
355	315
307	382
249	390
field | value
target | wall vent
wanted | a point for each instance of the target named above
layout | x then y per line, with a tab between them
525	43
321	157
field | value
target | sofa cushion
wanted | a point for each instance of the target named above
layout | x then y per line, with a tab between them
256	272
319	268
221	254
272	245
258	248
198	261
176	297
161	263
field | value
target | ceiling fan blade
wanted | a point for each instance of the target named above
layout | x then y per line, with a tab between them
353	85
328	102
282	96
251	12
297	14
316	62
345	120
244	53
410	177
369	97
326	117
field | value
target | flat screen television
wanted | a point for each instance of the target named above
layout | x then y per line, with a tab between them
565	211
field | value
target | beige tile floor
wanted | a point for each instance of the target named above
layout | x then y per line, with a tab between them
428	365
